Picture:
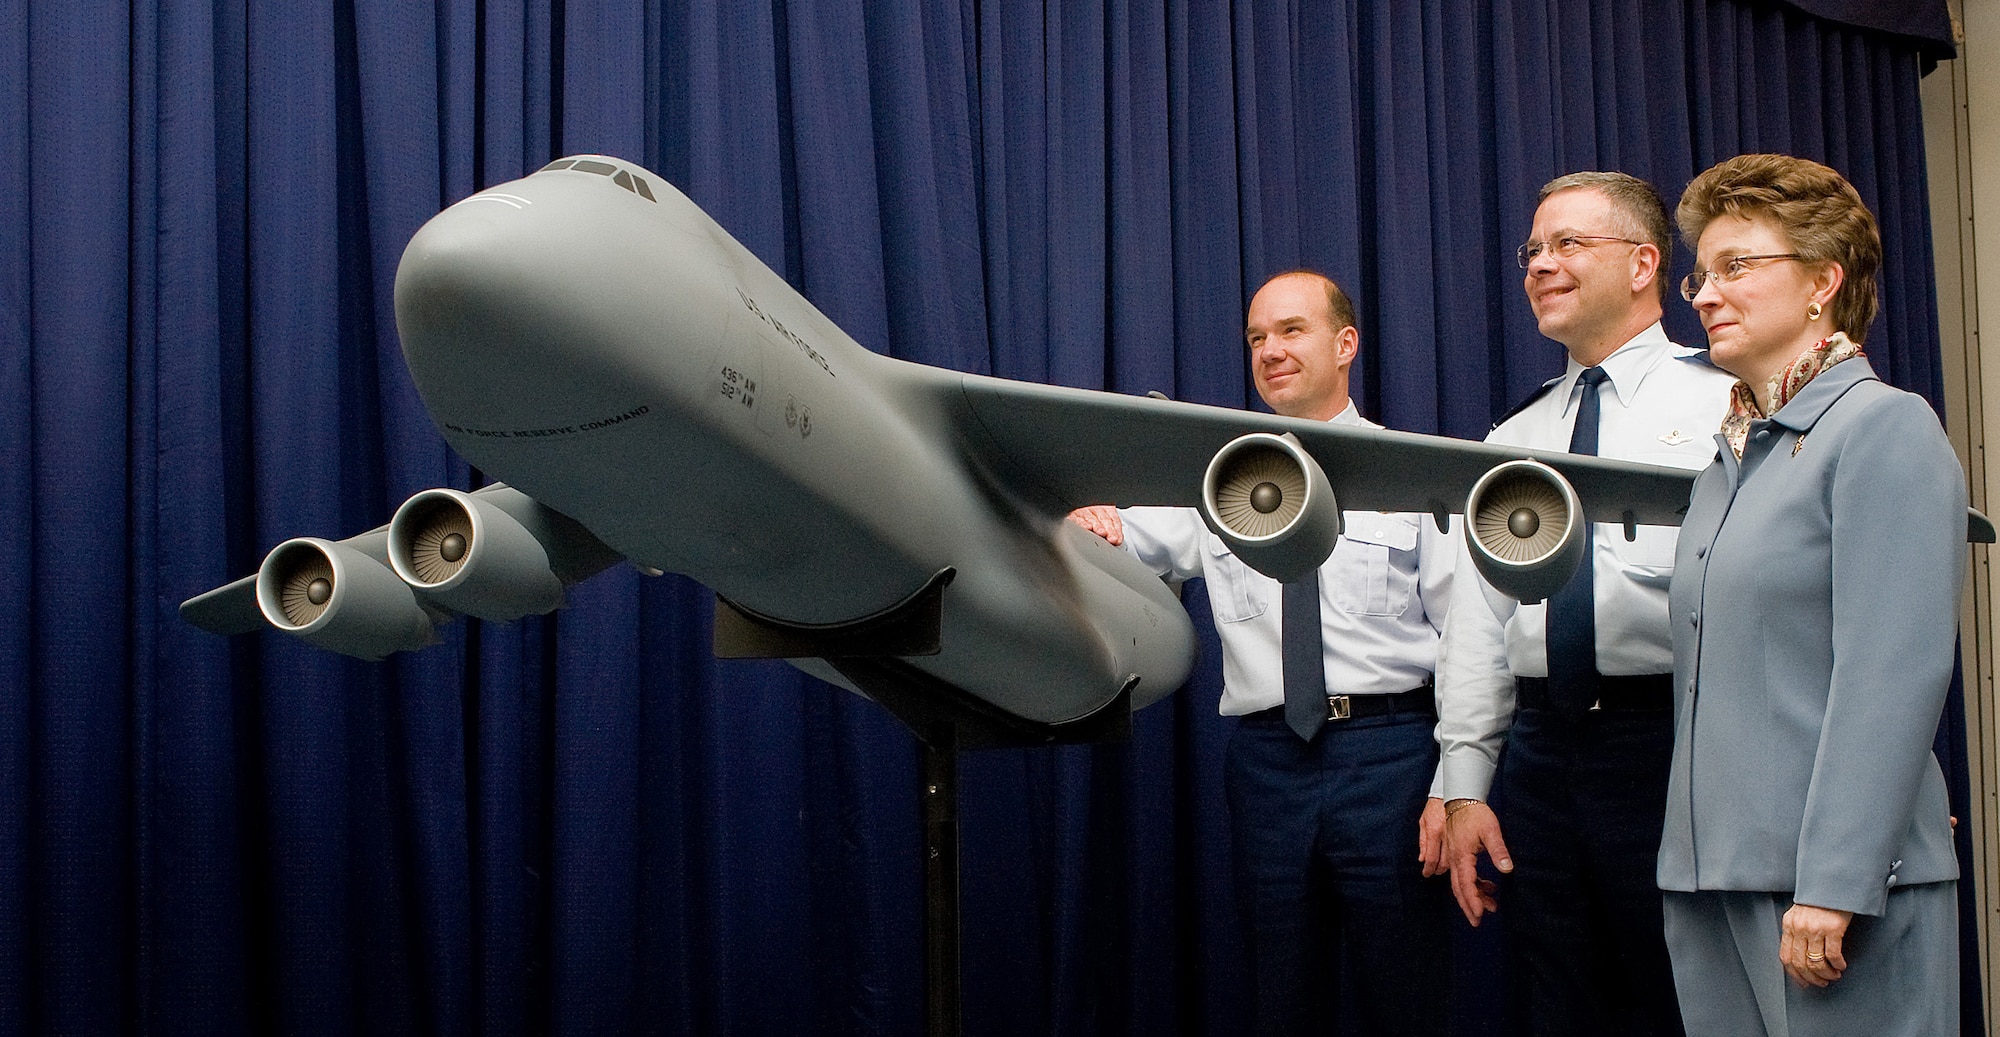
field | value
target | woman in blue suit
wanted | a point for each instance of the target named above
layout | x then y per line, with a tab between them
1815	603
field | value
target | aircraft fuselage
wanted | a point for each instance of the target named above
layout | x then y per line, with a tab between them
620	358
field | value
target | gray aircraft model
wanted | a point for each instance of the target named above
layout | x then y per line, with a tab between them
649	390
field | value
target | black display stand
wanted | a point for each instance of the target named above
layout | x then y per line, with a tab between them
871	654
944	724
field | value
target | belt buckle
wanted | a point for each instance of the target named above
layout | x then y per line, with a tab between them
1339	707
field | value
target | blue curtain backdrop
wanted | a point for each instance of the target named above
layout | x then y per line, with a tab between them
584	823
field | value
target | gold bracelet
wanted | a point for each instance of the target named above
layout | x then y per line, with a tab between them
1454	806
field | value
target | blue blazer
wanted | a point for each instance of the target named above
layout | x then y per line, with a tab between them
1815	613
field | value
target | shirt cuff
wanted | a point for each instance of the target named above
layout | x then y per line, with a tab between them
1466	775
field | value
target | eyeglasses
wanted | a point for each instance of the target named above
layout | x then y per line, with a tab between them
1565	246
1725	270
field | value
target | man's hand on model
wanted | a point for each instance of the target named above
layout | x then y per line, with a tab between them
1103	520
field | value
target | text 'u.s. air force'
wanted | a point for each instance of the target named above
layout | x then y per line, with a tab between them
785	333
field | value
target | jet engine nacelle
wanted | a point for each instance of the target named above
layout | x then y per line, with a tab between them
341	599
1271	503
496	554
1525	527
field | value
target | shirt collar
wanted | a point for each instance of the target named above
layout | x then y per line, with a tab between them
1351	416
1625	368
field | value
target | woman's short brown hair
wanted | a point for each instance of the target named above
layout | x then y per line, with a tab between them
1815	207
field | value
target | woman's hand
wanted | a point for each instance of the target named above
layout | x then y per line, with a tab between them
1810	946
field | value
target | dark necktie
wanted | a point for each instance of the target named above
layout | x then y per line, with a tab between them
1303	656
1572	615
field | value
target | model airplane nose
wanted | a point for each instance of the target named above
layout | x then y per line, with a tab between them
493	313
459	269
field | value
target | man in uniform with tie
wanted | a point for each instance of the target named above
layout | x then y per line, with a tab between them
1579	688
1332	761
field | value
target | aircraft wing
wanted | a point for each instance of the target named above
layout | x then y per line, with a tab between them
231	609
228	610
494	553
1066	448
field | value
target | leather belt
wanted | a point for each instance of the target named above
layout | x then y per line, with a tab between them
1614	694
1420	699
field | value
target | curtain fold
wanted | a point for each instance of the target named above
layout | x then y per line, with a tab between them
584	823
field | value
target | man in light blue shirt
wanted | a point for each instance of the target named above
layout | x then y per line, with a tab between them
1324	823
1586	717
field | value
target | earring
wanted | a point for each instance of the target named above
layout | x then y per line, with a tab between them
1812	311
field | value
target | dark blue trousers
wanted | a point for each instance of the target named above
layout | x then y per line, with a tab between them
1582	798
1327	873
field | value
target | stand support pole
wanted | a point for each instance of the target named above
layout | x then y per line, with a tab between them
941	920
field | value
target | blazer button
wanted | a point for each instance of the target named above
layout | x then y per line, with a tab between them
1701	552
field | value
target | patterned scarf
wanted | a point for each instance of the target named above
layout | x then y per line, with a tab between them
1786	384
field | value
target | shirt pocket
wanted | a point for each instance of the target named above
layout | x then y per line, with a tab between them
1375	564
1648	558
1236	592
